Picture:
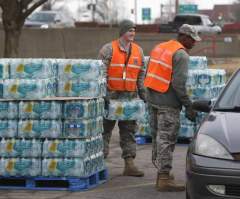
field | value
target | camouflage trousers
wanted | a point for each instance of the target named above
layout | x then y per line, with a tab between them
127	131
165	123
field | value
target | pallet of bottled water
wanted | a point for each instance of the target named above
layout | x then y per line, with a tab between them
51	120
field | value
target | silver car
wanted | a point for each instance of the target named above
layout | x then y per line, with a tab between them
49	19
201	22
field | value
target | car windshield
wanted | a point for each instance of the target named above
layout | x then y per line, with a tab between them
42	17
230	98
207	21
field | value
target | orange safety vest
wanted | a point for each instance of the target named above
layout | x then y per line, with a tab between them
159	72
123	76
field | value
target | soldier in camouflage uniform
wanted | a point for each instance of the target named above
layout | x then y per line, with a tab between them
126	128
166	94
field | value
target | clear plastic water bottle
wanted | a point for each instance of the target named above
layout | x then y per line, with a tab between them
32	69
20	167
126	110
39	128
4	68
77	128
197	62
76	109
22	89
8	128
64	148
20	148
68	167
78	88
1	88
8	110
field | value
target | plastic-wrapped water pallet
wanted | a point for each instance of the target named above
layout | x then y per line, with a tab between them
55	183
35	155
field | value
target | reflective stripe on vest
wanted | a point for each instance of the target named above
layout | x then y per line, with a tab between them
121	77
159	72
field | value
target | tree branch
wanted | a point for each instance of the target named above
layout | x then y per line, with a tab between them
25	3
33	7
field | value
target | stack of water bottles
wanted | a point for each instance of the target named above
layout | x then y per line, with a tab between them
30	79
124	109
143	124
45	135
202	83
80	78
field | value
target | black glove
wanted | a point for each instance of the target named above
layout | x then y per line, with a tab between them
190	113
142	95
106	104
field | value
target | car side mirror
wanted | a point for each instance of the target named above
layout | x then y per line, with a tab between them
202	105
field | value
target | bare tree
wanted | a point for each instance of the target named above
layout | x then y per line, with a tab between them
48	5
14	13
107	10
104	11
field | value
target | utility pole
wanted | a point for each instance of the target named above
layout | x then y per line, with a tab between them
93	7
176	6
135	11
110	13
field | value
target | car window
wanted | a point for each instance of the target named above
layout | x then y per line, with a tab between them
207	21
231	95
42	17
192	20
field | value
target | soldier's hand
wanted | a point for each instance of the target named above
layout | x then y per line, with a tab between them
142	95
191	114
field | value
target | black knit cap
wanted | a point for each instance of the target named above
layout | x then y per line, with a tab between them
125	25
